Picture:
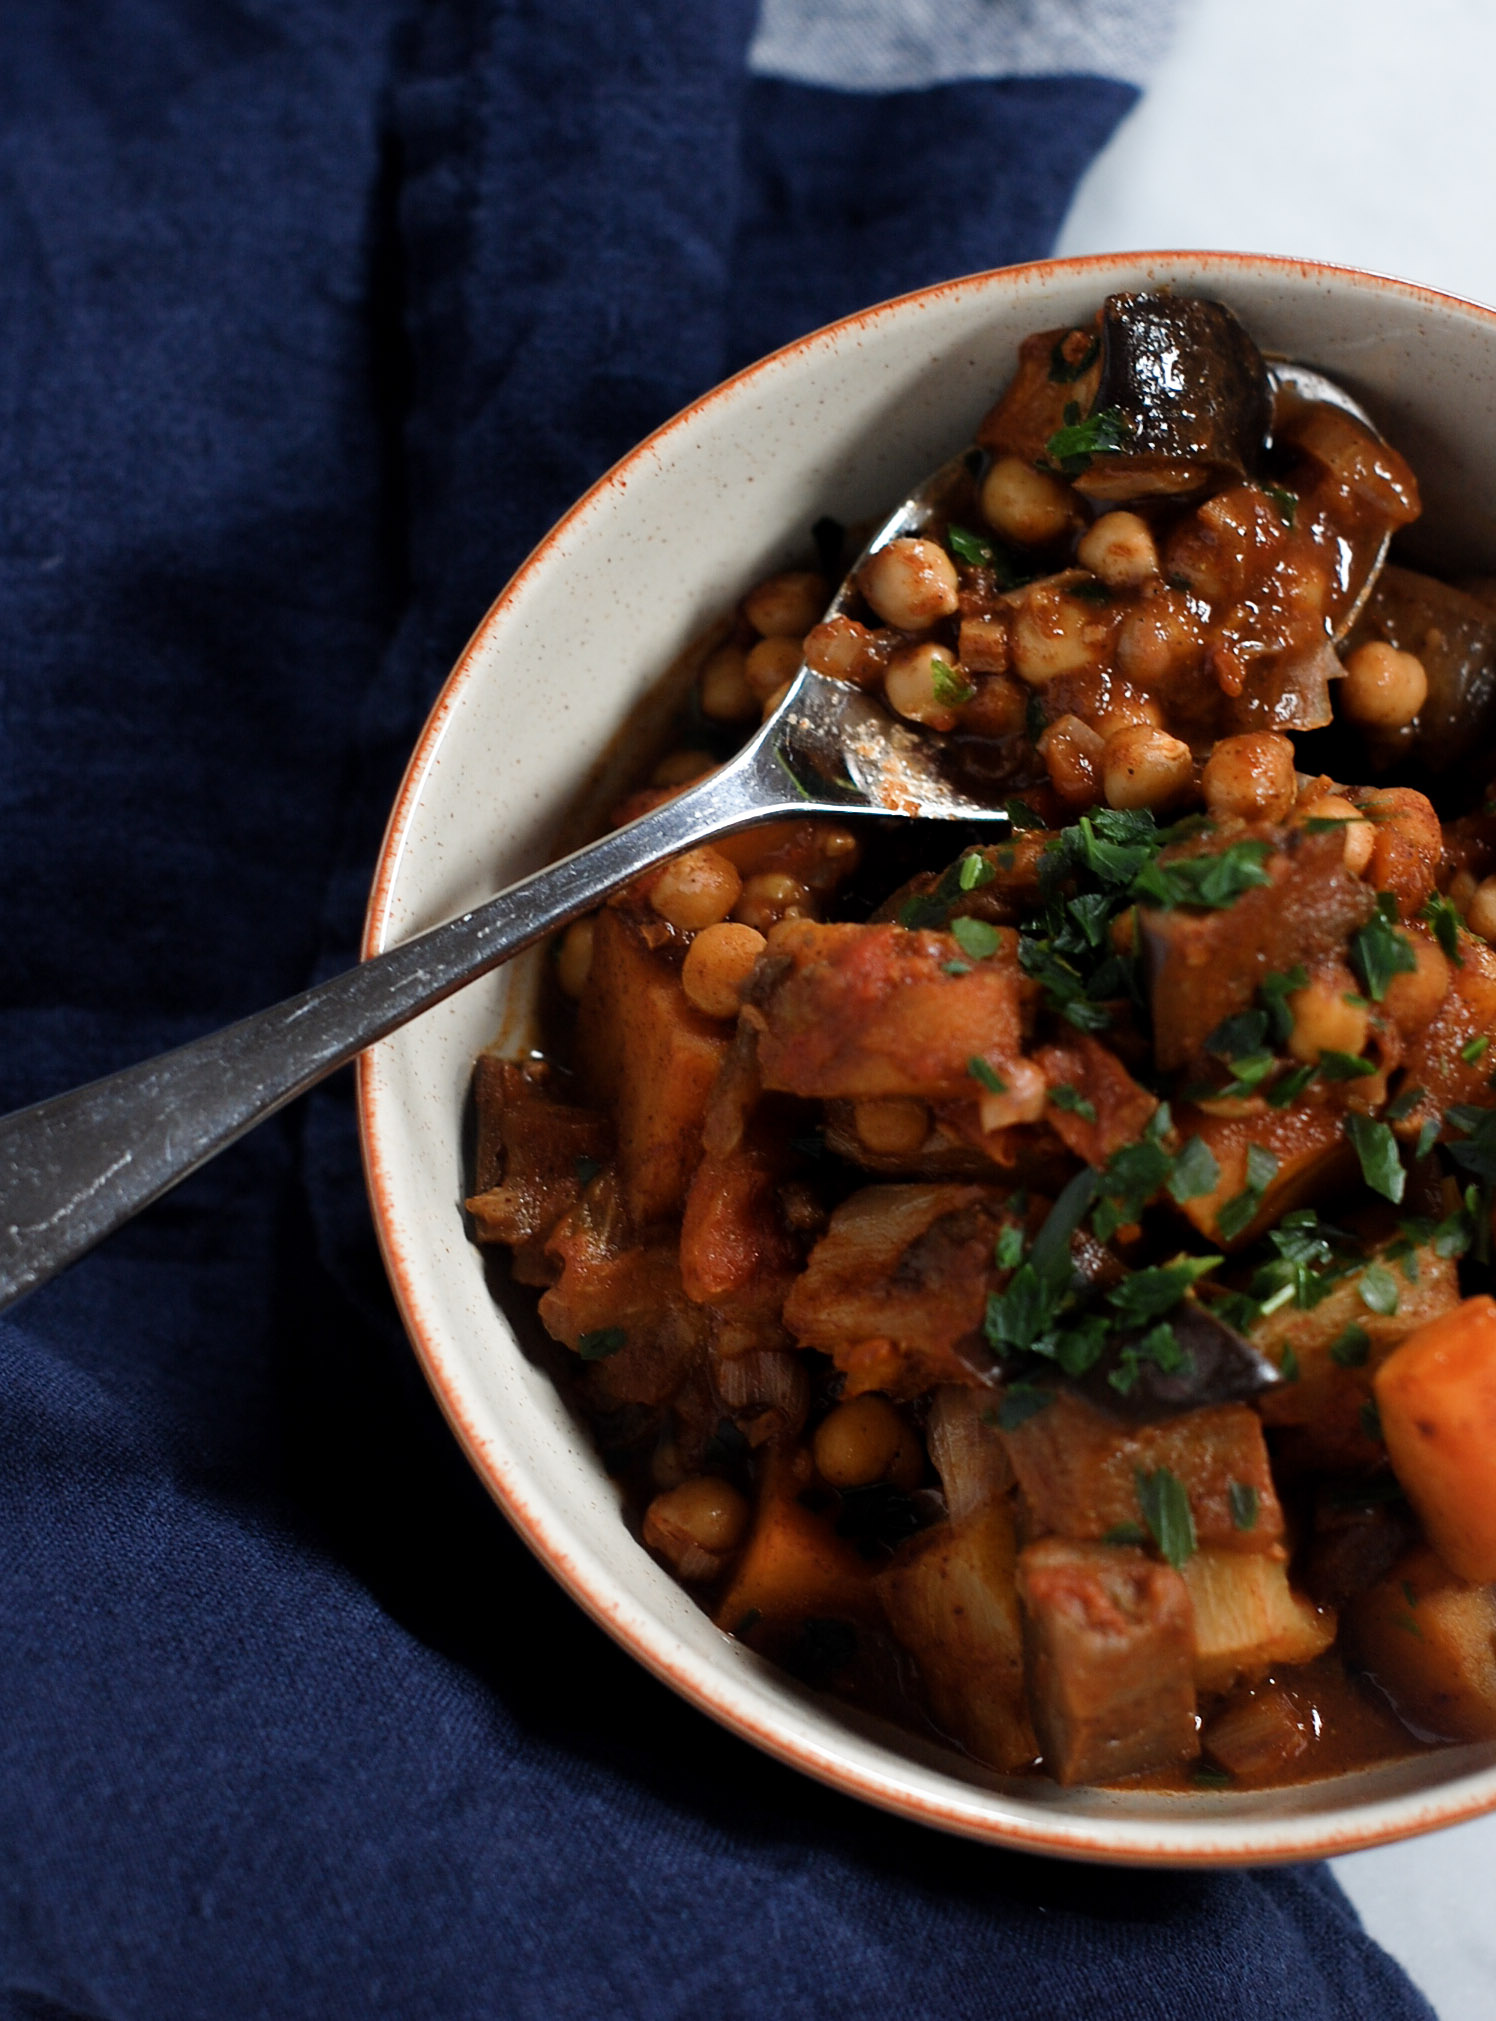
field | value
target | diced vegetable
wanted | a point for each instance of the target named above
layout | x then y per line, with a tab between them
1078	1471
969	1456
1429	1640
1258	1733
794	1567
1095	1105
654	1058
1436	1396
951	1602
1301	1154
1247	1618
1443	1060
535	1154
1109	1653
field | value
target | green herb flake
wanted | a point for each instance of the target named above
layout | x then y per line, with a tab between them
1196	1172
1286	501
1243	1499
955	968
1065	370
975	871
1289	1363
1021	815
1376	1147
1212	1778
1275	990
1288	1087
1022	1401
1262	1168
1428	1136
1380	951
1350	1348
1102	432
1007	1250
981	1070
1125	1533
1472	1049
1378	1289
1344	1066
1371	1420
970	547
1065	1097
1403	1107
1165	1505
587	1170
950	689
1146	1295
597	1346
1209	883
975	937
1441	916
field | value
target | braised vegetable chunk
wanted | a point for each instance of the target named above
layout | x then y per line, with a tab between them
1037	1280
1108	1637
1429	1640
952	1602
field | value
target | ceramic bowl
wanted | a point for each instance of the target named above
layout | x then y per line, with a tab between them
526	728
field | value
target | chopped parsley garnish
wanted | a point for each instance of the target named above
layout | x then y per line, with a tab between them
1379	951
1288	1364
1286	501
1403	1107
975	937
1210	882
1239	1035
1149	1294
1065	1097
1021	815
587	1170
975	871
1472	1049
1165	1504
1428	1136
955	968
950	690
1125	1533
1351	1347
1288	1087
970	547
1102	432
1007	1250
1376	1147
1275	990
1237	1214
1378	1289
1160	1345
1022	1401
1344	1066
1134	1175
1371	1420
599	1345
1196	1172
1443	918
991	1080
1243	1498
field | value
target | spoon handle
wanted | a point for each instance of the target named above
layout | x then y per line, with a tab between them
76	1166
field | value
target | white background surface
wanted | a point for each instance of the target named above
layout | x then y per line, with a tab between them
1363	132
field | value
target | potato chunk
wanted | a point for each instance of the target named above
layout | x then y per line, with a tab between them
1110	1656
794	1567
1430	1642
1437	1399
952	1603
864	1011
1247	1618
1078	1471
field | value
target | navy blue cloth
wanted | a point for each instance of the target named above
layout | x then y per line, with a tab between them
315	313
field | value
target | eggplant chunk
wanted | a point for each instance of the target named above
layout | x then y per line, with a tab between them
1454	635
1192	394
1109	1647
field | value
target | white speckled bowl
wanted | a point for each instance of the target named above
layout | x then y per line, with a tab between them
843	422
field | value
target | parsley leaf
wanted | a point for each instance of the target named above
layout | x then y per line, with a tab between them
1165	1504
599	1345
1351	1347
1441	915
1102	432
1210	882
1148	1294
1065	1097
970	547
1378	1289
1065	370
975	937
1243	1498
1196	1172
981	1070
1376	1147
950	690
1379	951
1275	990
975	871
1286	502
1007	1251
1472	1049
1344	1066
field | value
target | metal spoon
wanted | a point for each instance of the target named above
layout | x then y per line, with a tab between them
74	1167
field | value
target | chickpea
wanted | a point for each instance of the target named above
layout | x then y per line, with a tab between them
694	1525
771	663
1251	777
999	708
892	1126
574	956
718	962
1054	634
769	897
1160	639
679	768
911	584
1120	549
1025	504
696	890
771	702
1323	1022
1073	752
1383	688
1412	998
1144	767
725	694
1023	1100
1125	709
1481	917
786	606
844	650
864	1441
1462	888
922	683
1359	838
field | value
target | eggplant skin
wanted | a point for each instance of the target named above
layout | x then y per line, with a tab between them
1192	391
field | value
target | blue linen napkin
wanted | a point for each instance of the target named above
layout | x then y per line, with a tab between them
315	314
